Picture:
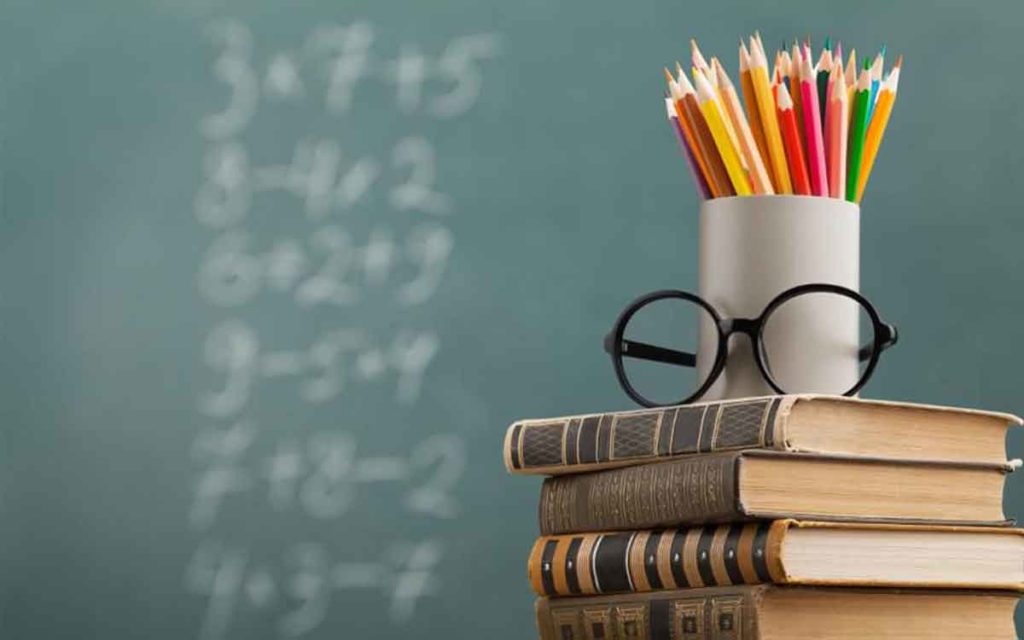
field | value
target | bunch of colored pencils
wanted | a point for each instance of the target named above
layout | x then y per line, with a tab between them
810	128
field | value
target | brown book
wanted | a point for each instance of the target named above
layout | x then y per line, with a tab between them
746	485
815	424
769	612
849	554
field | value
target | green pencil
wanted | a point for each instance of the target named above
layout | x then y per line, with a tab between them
858	127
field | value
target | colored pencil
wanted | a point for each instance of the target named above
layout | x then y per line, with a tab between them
851	82
690	134
823	68
838	128
753	113
794	88
794	153
813	130
858	126
760	182
766	106
718	177
691	161
792	126
697	58
729	128
876	128
876	80
716	123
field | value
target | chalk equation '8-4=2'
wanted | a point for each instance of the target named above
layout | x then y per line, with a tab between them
337	59
322	177
302	588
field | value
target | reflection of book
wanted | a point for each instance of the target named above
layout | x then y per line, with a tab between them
756	484
815	424
780	552
780	613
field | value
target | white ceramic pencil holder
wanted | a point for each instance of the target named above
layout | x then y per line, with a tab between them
752	248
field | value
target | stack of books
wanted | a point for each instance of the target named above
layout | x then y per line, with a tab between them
793	517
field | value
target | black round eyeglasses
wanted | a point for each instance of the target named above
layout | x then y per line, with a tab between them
654	343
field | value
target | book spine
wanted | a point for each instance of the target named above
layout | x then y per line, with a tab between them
688	491
697	614
567	445
641	561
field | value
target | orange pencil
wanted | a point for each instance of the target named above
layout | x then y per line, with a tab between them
750	105
876	128
688	133
759	179
718	178
791	138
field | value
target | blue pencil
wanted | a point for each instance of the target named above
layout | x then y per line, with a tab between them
876	80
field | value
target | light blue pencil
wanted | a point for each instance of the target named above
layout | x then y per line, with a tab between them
876	80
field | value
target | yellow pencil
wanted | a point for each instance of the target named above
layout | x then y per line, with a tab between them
761	182
713	116
729	128
769	120
876	128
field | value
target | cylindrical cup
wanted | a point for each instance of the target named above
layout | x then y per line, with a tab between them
754	247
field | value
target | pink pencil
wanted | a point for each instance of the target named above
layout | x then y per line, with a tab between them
702	186
812	130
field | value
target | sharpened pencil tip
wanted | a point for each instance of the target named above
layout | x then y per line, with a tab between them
899	61
828	43
668	76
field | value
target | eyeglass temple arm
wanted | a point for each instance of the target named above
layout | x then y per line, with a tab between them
643	351
890	339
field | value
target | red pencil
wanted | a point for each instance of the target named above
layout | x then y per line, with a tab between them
791	138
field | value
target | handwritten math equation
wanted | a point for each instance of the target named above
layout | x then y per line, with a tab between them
321	475
304	581
359	229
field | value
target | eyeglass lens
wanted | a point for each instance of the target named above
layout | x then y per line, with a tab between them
817	342
671	324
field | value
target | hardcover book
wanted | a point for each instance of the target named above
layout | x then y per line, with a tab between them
830	425
781	552
758	484
768	612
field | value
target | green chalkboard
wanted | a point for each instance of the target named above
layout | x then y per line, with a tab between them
276	275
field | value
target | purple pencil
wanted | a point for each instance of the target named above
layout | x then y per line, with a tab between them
702	185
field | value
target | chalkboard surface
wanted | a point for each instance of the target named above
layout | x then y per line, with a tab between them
276	275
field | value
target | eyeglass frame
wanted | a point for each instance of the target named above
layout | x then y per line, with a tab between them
615	344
